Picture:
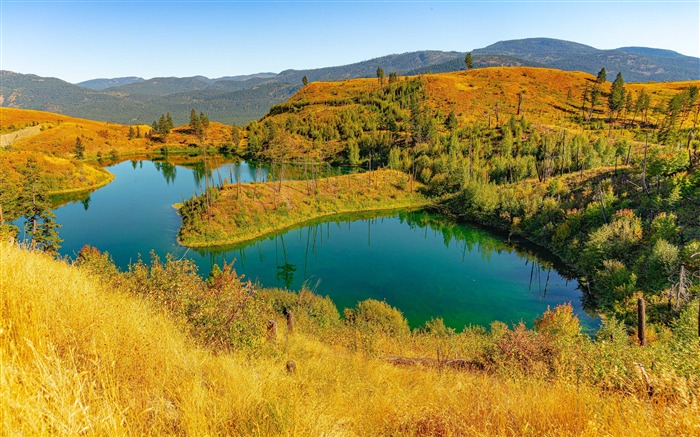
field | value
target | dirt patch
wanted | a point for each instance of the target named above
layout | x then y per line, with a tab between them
13	137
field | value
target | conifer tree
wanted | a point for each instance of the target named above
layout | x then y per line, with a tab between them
602	76
169	124
304	81
468	61
203	120
78	148
380	76
132	134
616	100
34	205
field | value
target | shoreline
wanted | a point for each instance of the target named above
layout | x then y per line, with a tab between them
297	223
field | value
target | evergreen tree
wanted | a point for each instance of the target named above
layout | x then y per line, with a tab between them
138	131
203	120
304	81
602	76
78	148
380	76
162	125
194	121
468	61
169	122
197	122
34	205
132	134
616	99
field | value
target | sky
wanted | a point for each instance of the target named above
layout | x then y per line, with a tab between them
79	40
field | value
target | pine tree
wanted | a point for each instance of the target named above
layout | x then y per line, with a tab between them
380	76
616	100
194	121
304	81
34	205
132	134
468	61
138	132
162	125
203	120
169	122
78	148
602	76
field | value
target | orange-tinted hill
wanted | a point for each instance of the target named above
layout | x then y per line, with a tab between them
57	133
548	96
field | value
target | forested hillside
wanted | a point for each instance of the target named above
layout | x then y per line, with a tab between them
606	175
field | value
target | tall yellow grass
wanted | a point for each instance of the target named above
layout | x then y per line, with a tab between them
76	358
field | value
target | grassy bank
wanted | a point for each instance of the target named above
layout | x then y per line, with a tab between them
240	212
95	353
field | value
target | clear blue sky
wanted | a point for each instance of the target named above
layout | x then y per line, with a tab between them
80	40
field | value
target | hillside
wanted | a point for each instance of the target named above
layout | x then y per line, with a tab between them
58	133
143	370
637	64
100	84
235	104
326	120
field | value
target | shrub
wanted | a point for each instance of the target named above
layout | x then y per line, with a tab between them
377	317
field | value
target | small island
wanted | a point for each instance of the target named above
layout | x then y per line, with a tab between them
234	213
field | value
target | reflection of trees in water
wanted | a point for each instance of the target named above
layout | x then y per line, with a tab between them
168	170
541	262
466	237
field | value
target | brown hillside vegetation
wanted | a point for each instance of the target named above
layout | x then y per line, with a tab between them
549	96
79	356
58	175
236	213
100	139
438	114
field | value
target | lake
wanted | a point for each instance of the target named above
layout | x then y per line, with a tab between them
423	264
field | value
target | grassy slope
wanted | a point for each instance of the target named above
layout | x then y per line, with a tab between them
550	96
59	175
60	132
253	210
76	357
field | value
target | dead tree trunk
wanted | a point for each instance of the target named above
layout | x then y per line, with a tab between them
641	321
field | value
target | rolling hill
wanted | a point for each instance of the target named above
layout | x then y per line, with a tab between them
100	84
637	64
240	99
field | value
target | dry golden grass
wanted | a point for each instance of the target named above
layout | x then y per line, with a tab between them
77	358
99	138
550	96
248	211
59	175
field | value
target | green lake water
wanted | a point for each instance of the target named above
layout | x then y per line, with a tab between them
421	263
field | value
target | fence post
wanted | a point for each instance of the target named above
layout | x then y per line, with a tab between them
641	321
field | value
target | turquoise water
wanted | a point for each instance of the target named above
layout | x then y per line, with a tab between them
421	263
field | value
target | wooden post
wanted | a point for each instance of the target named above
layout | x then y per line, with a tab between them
290	322
271	330
641	321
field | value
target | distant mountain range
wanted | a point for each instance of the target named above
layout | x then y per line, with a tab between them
240	99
